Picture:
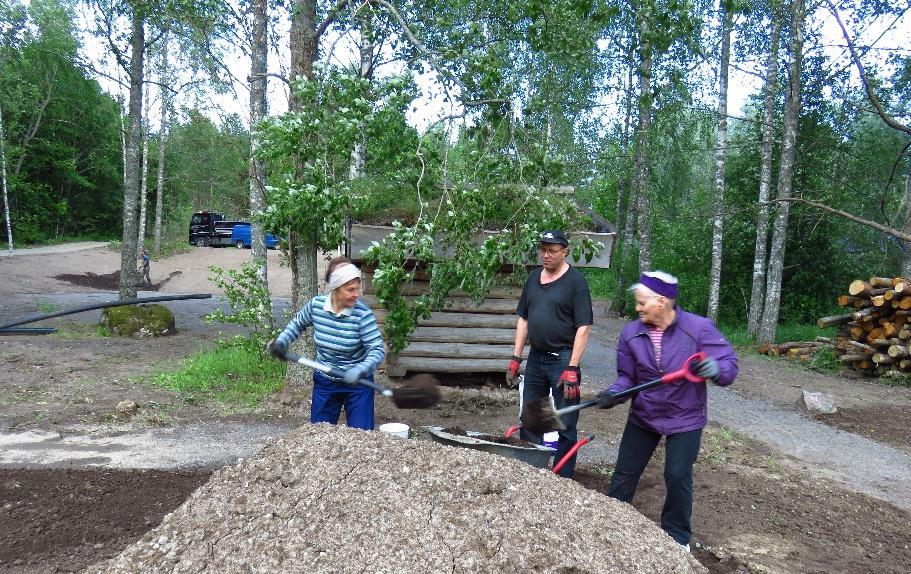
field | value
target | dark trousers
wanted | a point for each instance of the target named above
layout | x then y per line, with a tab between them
636	448
542	373
329	397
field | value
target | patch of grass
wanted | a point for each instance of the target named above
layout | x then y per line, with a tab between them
738	336
68	330
45	307
826	360
601	282
227	374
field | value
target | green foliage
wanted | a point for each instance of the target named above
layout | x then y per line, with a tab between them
825	359
61	131
311	149
737	334
230	374
451	246
249	300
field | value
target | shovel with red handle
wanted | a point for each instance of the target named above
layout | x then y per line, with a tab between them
541	417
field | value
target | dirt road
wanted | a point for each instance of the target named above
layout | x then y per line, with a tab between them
775	491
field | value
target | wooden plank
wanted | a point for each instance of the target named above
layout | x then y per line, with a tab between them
450	335
457	351
435	365
463	305
462	320
459	320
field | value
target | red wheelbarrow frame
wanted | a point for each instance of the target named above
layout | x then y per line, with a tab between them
569	454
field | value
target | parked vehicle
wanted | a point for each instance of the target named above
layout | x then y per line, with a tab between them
209	228
242	234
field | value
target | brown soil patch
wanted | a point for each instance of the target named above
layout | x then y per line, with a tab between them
882	423
65	520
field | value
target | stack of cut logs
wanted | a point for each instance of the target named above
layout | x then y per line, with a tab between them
800	350
875	336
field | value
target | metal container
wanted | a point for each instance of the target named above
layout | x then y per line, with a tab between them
538	456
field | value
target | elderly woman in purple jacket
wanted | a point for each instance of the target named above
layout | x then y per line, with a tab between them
660	341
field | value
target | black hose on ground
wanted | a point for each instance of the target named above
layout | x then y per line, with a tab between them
28	331
108	304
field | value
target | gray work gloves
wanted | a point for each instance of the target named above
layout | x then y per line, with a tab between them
606	400
354	374
707	368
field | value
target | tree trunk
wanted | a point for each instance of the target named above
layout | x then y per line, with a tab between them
365	70
785	179
9	227
642	185
258	103
906	227
162	139
757	293
302	247
128	251
624	185
144	186
720	151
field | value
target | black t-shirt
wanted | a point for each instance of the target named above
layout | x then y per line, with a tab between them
555	310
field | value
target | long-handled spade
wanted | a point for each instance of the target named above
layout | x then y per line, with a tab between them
540	417
410	395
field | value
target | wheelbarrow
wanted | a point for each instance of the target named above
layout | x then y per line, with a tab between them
534	454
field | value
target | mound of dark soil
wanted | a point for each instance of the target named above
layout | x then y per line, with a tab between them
108	281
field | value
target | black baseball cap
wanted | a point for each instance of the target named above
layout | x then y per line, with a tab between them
555	236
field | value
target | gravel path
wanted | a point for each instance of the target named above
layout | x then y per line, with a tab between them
63	248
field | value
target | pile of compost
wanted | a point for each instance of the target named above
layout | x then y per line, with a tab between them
334	499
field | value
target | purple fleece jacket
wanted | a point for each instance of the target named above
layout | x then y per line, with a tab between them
677	406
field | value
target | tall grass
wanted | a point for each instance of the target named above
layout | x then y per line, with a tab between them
227	374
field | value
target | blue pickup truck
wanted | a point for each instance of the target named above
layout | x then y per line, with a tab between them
241	237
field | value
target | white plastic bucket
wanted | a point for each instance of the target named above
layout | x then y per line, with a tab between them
551	439
395	429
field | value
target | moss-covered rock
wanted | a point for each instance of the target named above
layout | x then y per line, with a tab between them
139	320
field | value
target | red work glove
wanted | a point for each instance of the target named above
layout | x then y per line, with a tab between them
512	372
570	380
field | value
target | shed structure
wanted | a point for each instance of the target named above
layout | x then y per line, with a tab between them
465	337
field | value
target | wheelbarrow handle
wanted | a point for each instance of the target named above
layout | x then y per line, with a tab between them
333	372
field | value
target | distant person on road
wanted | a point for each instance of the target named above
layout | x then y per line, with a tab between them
144	265
555	317
659	342
347	338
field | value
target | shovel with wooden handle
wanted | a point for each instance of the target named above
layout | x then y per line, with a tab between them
541	417
408	396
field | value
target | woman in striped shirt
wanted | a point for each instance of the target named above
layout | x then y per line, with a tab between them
347	338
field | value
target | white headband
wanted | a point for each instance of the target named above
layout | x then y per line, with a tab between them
341	275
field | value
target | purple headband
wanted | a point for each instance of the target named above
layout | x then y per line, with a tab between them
668	290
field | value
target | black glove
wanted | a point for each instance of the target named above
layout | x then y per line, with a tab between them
606	400
278	348
512	372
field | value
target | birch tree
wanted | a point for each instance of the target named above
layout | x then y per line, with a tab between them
3	174
769	90
720	152
769	321
144	178
164	90
259	50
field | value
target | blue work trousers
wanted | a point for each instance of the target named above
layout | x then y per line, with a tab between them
636	449
330	396
542	373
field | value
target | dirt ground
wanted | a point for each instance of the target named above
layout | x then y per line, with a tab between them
756	509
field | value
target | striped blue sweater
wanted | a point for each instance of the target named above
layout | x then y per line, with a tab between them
343	340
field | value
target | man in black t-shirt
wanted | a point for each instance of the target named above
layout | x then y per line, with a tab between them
555	316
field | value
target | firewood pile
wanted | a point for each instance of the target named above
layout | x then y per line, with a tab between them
798	350
874	336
